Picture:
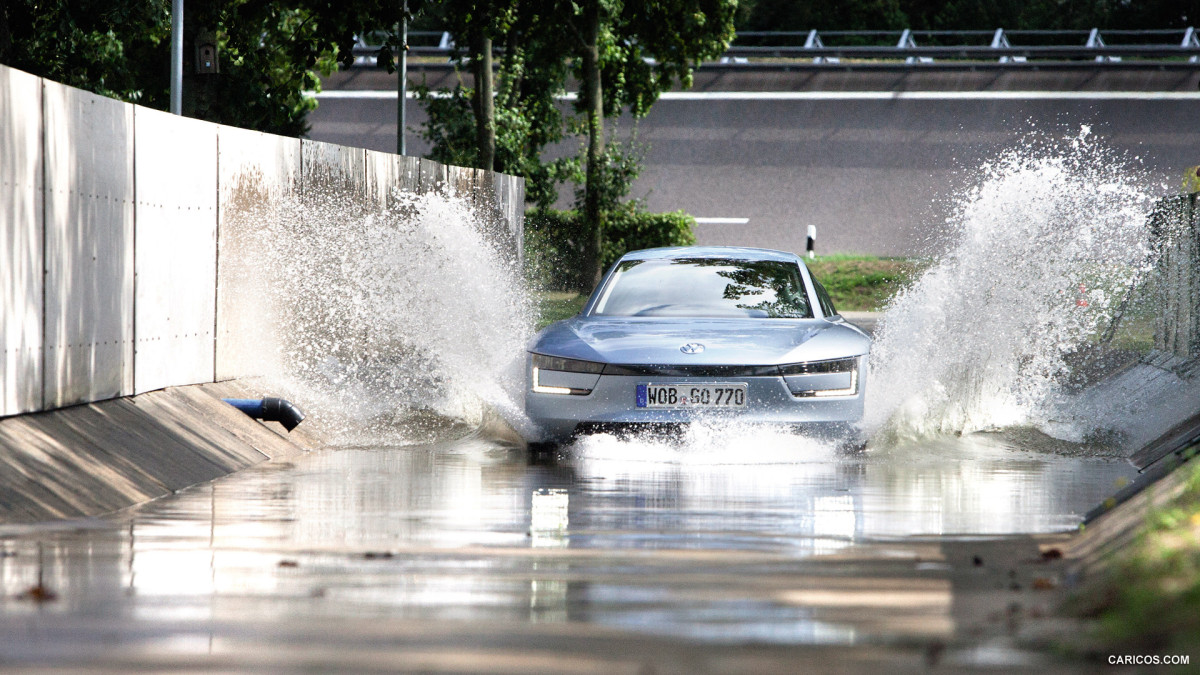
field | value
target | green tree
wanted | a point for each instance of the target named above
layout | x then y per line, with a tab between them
623	56
1008	14
117	49
626	55
268	55
477	23
273	51
270	51
1155	14
524	116
966	14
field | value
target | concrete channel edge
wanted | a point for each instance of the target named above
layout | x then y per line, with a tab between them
92	459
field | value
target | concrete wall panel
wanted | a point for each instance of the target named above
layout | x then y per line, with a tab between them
330	170
381	172
488	202
504	196
89	188
1177	324
176	250
89	247
513	203
482	195
486	199
410	174
433	177
390	175
460	182
21	231
259	182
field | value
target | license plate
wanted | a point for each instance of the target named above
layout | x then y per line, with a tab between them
731	395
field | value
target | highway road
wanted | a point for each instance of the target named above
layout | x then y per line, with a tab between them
875	160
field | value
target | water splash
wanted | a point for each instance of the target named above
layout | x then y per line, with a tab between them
410	321
1044	249
706	443
397	324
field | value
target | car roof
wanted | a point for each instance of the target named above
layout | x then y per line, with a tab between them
739	252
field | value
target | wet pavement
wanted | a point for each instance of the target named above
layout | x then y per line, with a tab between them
719	552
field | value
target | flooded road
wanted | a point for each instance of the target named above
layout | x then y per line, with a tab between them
726	550
770	543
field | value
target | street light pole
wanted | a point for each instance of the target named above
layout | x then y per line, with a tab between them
177	57
402	84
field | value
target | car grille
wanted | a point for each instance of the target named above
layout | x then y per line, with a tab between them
694	371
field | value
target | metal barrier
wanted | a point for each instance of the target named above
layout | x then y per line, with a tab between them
1009	48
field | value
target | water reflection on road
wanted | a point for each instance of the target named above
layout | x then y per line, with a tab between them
715	543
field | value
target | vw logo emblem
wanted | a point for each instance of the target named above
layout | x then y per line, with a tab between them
692	348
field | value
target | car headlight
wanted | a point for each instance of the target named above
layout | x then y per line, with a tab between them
838	377
557	375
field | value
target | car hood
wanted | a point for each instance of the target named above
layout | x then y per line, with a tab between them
657	341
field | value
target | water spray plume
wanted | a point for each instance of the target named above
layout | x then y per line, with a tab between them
393	325
1044	248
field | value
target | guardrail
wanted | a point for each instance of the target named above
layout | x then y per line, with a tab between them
1179	47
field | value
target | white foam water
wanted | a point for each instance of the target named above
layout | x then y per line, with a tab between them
393	325
1044	248
707	443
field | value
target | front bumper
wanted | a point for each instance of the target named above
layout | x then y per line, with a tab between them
612	401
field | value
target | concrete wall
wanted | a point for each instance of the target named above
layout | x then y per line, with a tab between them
88	173
22	229
176	243
120	234
1177	222
257	174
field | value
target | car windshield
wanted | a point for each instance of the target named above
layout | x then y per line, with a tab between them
705	288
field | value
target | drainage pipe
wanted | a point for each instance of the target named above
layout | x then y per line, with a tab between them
269	410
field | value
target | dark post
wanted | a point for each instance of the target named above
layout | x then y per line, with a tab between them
177	57
402	84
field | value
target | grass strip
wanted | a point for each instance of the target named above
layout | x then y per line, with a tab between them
1149	601
863	283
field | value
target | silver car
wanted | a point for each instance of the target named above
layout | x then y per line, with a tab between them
677	335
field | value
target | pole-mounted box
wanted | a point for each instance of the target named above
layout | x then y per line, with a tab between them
206	54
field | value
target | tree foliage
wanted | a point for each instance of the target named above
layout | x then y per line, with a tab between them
554	239
521	134
775	15
526	118
622	54
269	55
270	51
625	55
117	49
